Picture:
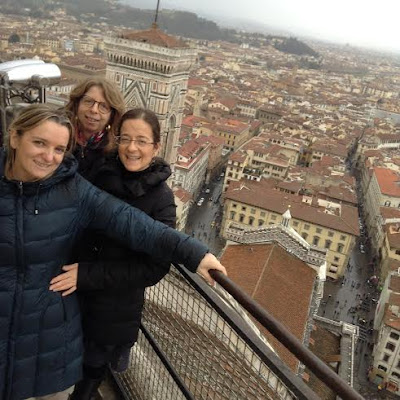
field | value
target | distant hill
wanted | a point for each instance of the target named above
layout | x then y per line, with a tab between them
294	46
181	23
34	8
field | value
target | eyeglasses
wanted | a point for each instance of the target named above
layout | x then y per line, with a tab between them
88	102
126	141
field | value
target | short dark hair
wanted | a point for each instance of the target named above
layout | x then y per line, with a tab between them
146	115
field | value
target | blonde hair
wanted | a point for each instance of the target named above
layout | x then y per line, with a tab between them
31	117
113	97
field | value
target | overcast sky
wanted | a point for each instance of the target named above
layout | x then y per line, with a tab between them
374	23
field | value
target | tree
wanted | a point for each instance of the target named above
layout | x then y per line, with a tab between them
14	38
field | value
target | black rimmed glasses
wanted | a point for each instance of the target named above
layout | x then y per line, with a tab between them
126	141
88	102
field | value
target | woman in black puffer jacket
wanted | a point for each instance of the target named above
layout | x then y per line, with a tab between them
111	293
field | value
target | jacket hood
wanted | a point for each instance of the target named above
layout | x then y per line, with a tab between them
66	169
115	179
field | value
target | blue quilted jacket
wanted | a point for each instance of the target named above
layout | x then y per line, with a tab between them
40	331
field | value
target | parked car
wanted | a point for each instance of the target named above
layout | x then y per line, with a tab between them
208	190
200	202
362	249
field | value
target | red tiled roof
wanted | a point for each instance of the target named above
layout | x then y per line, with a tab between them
196	82
388	212
154	36
183	195
390	318
273	277
388	180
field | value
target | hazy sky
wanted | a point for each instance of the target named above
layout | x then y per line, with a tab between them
373	23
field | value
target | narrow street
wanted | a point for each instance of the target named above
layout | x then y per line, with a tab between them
352	299
204	220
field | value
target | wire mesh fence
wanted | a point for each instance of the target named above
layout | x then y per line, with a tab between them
203	348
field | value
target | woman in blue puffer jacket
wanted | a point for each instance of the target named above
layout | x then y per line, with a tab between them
44	207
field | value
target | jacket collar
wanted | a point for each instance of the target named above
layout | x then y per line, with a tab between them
66	169
115	179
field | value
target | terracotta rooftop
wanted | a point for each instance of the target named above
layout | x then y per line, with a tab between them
274	277
154	36
192	120
393	235
394	284
389	212
330	148
183	195
324	345
388	180
391	317
192	82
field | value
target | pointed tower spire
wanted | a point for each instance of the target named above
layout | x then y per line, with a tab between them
286	217
154	25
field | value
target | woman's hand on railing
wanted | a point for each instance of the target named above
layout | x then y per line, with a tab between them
208	263
67	281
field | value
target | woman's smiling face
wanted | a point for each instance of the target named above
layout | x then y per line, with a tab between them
91	119
39	151
136	147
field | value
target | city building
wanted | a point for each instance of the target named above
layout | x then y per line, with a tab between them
183	201
385	370
191	166
233	131
333	226
382	190
257	159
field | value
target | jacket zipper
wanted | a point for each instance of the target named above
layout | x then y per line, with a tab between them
19	290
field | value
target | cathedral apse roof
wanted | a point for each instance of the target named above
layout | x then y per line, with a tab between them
154	36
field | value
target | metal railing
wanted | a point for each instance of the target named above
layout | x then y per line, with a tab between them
194	345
